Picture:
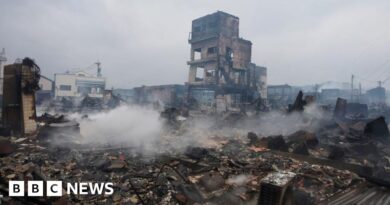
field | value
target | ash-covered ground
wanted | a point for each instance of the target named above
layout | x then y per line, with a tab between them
174	158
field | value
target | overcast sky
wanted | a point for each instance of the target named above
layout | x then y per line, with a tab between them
145	42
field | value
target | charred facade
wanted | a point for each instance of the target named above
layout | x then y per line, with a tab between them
20	84
221	72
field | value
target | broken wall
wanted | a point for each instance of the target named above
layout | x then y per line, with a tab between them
28	102
19	112
214	24
257	79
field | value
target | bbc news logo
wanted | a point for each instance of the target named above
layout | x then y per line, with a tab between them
54	188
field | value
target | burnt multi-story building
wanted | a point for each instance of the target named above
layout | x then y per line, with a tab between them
221	72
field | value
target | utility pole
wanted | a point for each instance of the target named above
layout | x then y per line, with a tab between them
316	87
99	69
352	77
360	92
3	59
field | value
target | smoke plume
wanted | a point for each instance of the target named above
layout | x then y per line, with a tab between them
125	125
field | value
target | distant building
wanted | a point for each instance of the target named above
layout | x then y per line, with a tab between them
79	84
329	96
47	89
281	95
376	95
161	95
125	94
388	97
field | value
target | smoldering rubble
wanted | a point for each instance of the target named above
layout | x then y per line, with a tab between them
167	158
305	153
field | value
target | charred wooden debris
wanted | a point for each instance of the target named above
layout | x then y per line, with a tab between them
313	165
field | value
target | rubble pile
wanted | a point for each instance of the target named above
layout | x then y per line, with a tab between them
228	172
222	163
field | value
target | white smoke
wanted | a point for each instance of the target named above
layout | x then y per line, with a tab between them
125	125
280	123
142	128
238	179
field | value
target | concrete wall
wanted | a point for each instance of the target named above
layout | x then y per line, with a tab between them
213	25
258	79
67	80
30	126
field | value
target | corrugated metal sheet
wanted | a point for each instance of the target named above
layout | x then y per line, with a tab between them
362	195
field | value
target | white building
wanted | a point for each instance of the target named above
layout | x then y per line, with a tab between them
79	84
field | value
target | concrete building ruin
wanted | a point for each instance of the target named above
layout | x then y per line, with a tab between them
221	73
21	81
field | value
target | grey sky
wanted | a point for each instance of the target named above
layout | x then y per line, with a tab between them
145	42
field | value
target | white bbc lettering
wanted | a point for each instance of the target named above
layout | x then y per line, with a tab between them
35	188
109	189
54	188
72	188
83	188
96	188
16	188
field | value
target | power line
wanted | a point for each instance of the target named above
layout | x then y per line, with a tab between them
388	78
380	68
384	72
375	41
365	79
